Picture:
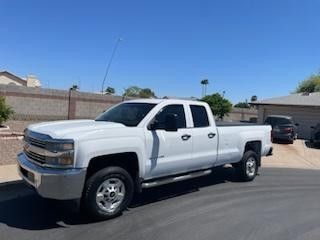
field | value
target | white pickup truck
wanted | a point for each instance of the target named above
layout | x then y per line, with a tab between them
134	145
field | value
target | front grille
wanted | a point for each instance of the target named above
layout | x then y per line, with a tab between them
35	157
37	140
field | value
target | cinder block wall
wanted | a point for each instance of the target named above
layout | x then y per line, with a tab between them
241	114
52	104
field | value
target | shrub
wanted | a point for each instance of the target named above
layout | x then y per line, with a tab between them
5	111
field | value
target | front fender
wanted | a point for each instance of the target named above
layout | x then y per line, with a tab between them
89	149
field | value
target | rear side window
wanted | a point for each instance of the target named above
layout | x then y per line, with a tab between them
199	116
177	110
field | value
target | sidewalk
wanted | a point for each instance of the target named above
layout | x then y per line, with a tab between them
9	173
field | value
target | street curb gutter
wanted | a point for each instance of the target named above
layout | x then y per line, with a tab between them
9	183
14	190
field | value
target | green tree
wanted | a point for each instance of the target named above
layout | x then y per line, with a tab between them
110	90
132	91
311	84
146	93
218	104
5	111
242	105
138	92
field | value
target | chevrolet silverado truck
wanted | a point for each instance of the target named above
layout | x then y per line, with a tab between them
135	145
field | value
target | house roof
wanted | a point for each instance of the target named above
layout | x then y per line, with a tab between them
297	99
14	77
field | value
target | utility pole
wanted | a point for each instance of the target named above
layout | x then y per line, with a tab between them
109	63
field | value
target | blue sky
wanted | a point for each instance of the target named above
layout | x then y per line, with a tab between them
261	47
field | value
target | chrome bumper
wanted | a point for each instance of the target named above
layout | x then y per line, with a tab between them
61	184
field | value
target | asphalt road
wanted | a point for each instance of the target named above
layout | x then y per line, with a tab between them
279	204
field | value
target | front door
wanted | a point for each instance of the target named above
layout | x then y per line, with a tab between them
168	152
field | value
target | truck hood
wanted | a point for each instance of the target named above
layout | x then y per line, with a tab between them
72	129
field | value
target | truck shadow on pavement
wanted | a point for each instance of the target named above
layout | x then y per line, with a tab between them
32	212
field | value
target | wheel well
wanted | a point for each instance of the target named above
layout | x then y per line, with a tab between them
128	161
254	146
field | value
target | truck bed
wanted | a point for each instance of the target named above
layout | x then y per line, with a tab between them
235	124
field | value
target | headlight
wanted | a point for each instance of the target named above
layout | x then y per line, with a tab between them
60	153
62	159
60	146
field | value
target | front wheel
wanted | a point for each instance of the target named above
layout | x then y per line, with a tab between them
248	167
107	193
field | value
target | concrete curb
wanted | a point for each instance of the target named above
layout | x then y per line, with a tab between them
4	128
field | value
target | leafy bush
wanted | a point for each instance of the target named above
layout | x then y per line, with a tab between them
218	104
5	111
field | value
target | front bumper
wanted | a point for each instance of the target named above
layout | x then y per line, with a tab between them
61	184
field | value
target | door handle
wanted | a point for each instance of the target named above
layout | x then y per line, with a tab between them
211	135
185	137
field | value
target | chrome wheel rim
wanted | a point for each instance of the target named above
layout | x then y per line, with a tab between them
251	167
110	194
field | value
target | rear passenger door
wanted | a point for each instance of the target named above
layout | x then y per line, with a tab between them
205	137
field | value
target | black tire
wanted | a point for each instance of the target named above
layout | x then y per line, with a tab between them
88	202
242	166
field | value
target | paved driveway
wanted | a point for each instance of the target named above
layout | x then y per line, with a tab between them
281	204
296	155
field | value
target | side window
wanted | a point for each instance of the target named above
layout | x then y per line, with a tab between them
199	116
178	110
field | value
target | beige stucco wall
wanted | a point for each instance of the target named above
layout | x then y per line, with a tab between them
303	115
6	80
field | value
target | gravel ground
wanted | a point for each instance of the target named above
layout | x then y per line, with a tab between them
9	150
10	147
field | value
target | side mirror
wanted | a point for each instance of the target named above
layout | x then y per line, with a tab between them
297	124
171	123
312	127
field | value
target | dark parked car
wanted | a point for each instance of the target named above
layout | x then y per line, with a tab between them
283	128
315	135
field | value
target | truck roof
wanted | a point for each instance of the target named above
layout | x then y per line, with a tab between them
157	101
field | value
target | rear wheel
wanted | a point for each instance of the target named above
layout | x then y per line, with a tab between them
248	167
107	193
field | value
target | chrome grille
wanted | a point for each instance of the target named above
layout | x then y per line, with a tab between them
37	140
35	157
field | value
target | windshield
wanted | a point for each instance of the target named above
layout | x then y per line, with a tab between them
129	114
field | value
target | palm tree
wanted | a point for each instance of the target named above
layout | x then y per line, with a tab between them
204	84
74	87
